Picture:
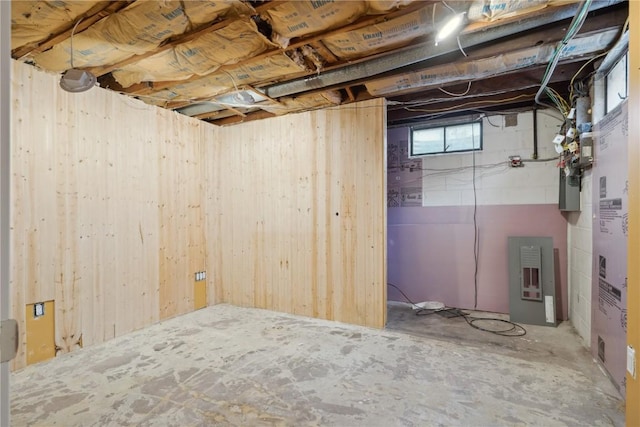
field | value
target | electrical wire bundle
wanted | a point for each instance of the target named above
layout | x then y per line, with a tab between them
559	102
511	330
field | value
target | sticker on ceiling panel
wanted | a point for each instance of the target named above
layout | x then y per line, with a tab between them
383	36
300	18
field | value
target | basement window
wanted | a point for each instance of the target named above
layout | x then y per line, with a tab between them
447	139
617	83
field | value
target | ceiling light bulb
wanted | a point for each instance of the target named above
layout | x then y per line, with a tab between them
450	27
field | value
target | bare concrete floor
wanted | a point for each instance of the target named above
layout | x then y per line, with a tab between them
225	365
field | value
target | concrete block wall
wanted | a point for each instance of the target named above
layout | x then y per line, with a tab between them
535	183
580	247
580	239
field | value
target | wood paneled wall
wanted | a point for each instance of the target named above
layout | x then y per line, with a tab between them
633	255
107	215
296	215
117	204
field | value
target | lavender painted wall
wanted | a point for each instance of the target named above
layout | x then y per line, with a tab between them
430	248
430	252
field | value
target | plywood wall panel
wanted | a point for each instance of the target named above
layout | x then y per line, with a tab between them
116	205
94	201
299	214
182	239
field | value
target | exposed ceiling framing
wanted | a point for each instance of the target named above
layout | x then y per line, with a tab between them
313	69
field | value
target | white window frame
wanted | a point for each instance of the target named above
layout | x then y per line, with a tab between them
607	86
473	147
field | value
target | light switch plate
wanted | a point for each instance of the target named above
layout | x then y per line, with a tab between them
631	361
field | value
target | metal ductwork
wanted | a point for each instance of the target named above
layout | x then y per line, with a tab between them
416	55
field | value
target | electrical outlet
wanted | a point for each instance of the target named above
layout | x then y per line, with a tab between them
200	275
38	309
515	161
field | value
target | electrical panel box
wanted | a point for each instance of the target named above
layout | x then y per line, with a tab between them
569	199
530	264
532	288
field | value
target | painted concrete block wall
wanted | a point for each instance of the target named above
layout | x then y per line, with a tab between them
580	247
496	182
430	248
580	239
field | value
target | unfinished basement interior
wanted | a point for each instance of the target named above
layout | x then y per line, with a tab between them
319	213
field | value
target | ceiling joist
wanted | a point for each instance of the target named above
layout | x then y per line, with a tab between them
311	40
88	19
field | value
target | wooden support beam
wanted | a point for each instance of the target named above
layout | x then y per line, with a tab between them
234	110
257	115
350	93
208	115
173	105
252	88
323	51
88	19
